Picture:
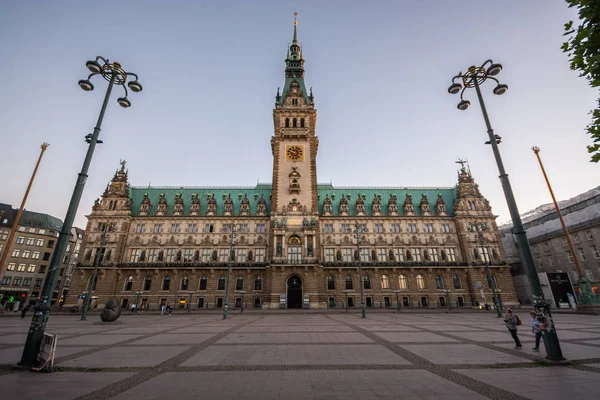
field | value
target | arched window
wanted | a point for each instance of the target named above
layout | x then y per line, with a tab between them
147	283
239	283
294	250
349	284
420	282
366	282
385	282
301	122
439	282
456	281
221	283
287	122
330	283
184	283
166	283
402	282
203	283
128	284
294	123
92	285
258	281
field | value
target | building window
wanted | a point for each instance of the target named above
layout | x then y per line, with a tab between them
420	282
17	281
192	228
576	238
31	268
399	255
27	282
209	228
595	252
203	283
382	255
175	228
402	282
153	255
16	253
240	255
135	255
379	228
158	228
385	282
364	255
38	283
451	254
582	256
328	228
366	282
140	228
330	283
569	257
329	255
223	255
226	227
26	254
347	255
412	228
439	282
260	228
433	255
345	228
445	228
35	255
258	281
349	283
456	281
50	244
429	228
221	283
166	283
259	255
147	283
21	267
294	254
171	255
30	241
589	235
6	280
206	255
239	283
20	240
551	261
188	255
39	242
416	255
128	284
588	273
185	282
42	269
564	242
11	266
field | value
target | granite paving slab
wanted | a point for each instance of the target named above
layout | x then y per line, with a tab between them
95	340
388	328
136	356
571	351
12	355
175	338
413	337
461	354
486	336
294	337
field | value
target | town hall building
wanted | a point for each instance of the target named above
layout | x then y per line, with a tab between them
297	243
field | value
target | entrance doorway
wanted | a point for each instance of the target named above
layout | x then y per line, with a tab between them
294	292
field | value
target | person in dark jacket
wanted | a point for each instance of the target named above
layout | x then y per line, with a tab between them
24	311
511	323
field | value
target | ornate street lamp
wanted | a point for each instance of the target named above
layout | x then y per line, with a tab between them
233	236
97	262
359	229
473	78
115	75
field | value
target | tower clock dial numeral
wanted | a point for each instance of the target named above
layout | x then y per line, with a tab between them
294	153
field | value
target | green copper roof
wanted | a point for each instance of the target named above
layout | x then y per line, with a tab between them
294	71
221	194
383	194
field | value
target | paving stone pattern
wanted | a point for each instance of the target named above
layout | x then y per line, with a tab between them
286	355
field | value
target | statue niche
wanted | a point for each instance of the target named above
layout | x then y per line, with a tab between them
294	181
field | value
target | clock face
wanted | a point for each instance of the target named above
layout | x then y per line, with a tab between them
294	153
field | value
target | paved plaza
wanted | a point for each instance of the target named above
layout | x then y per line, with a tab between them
289	356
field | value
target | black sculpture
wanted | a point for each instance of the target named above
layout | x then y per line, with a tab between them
111	311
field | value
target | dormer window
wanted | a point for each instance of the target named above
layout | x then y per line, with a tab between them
294	102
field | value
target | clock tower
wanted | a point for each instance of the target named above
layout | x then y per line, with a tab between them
294	144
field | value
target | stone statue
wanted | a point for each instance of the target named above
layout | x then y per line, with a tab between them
305	222
309	249
284	223
279	249
111	311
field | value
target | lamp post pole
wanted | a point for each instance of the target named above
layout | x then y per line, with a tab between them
479	227
92	284
473	78
359	229
587	295
231	255
114	74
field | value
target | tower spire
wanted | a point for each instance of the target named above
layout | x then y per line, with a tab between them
295	41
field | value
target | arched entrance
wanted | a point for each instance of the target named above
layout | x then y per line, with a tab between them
294	292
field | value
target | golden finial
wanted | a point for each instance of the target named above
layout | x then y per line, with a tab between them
295	20
45	146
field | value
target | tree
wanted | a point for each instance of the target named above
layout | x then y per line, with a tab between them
583	48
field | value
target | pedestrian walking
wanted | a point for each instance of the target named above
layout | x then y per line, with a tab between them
162	309
24	311
537	325
511	321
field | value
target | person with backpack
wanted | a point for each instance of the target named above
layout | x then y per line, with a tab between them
511	321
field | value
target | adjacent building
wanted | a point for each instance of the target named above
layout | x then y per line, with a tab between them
23	275
553	259
296	244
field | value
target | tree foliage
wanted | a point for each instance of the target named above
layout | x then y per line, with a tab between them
583	48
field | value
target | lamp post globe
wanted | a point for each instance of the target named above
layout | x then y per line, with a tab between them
494	69
124	102
135	86
454	88
86	85
500	89
93	66
463	105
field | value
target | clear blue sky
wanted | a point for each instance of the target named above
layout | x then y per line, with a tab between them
210	70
